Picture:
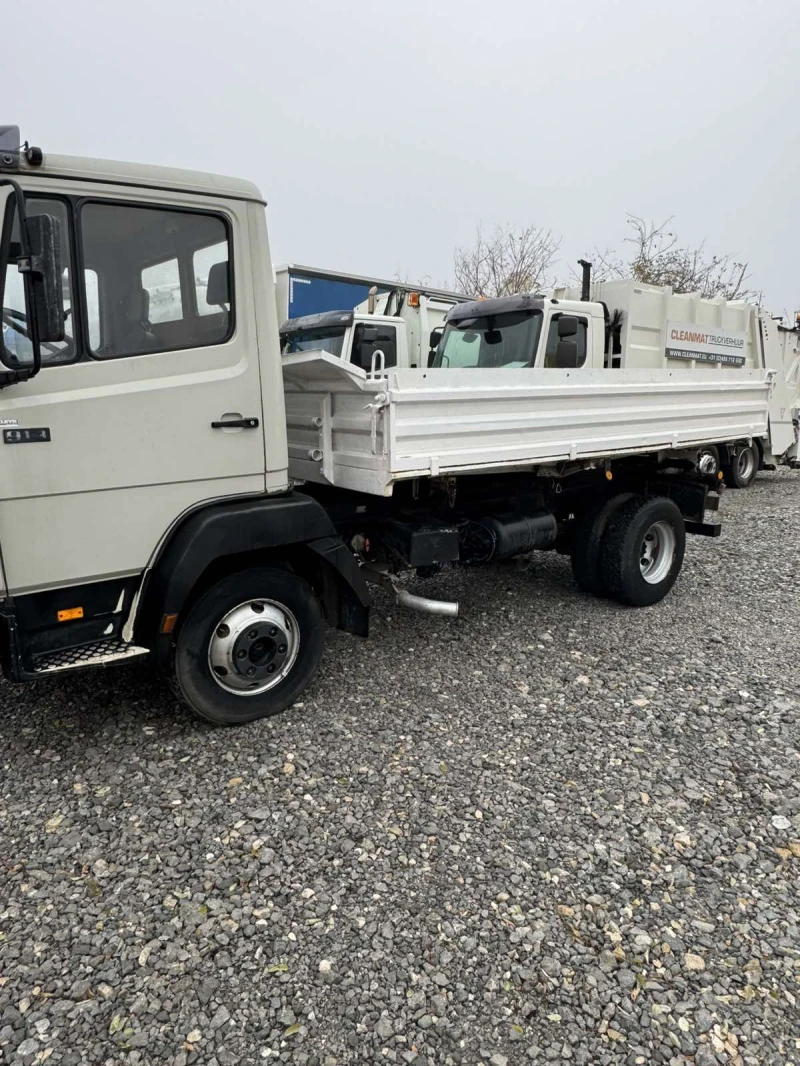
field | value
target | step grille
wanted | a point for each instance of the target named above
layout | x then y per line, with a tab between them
112	650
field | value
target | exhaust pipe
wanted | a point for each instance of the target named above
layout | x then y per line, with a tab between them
586	279
407	599
424	605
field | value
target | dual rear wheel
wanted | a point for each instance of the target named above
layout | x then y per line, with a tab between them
630	548
742	467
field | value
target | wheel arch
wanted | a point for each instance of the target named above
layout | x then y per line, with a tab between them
292	530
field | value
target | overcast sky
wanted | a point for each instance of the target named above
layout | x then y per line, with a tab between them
382	134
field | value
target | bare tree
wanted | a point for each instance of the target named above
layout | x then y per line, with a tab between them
508	261
658	259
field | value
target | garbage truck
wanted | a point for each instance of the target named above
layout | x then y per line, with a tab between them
153	507
652	326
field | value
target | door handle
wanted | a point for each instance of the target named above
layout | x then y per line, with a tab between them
236	423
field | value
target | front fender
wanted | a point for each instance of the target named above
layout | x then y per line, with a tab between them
209	536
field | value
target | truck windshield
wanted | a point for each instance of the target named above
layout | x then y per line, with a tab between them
508	340
329	339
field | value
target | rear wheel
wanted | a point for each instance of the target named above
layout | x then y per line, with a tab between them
643	551
708	460
743	467
589	532
249	646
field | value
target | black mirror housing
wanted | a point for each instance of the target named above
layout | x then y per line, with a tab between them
218	285
566	357
435	337
567	326
46	269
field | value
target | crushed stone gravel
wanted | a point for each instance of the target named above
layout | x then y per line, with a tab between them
555	830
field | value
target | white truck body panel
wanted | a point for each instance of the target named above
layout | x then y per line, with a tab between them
366	433
648	312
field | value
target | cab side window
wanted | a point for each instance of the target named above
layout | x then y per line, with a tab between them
551	351
161	279
368	339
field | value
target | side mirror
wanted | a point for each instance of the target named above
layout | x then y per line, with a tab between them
435	337
217	286
566	357
567	326
44	236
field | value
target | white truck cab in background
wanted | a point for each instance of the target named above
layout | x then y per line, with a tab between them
398	328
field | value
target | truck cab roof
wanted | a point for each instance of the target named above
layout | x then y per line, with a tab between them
142	175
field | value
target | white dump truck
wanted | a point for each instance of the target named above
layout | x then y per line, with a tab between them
447	420
148	508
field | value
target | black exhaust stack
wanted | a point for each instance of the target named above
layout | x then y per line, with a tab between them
586	279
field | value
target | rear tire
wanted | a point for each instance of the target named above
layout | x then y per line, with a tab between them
249	646
708	461
643	551
743	467
589	531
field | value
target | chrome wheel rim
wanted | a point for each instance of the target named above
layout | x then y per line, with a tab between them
707	463
253	647
745	463
657	552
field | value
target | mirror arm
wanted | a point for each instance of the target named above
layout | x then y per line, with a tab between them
27	265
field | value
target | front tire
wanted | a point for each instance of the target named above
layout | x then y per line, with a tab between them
643	551
249	646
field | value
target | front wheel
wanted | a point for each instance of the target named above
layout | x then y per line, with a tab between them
249	646
643	551
743	467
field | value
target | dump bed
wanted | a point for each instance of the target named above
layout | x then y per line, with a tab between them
366	433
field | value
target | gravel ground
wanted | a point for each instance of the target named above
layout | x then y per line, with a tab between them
555	831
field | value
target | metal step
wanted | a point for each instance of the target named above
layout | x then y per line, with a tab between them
100	653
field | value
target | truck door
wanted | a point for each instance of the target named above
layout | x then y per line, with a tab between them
369	338
552	357
150	405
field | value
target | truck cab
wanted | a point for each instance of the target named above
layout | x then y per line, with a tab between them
394	329
143	446
523	331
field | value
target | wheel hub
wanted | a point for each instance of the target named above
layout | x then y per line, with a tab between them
707	464
745	462
657	552
253	647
